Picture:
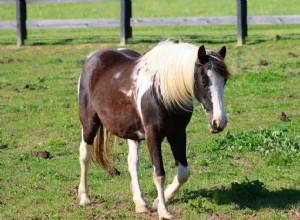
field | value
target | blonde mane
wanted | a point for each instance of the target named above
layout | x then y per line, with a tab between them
171	68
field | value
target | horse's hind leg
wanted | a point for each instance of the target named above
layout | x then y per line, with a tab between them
85	157
90	124
133	166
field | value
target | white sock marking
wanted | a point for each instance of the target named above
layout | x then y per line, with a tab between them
133	165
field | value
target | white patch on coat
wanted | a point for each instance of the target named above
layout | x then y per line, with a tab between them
143	83
183	174
126	92
133	166
140	135
84	158
79	85
117	75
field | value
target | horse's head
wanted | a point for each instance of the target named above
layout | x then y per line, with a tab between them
211	75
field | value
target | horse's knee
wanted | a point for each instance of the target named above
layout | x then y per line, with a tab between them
85	152
183	173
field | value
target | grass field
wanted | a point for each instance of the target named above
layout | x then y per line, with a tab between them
250	171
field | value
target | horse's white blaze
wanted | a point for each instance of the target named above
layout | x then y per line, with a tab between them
217	95
183	174
133	165
85	157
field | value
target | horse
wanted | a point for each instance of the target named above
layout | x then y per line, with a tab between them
148	97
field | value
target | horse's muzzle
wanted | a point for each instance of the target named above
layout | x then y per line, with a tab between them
217	125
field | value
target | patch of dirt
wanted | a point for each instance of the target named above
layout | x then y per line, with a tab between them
283	117
220	187
216	216
33	87
11	60
277	38
263	63
15	89
42	154
73	193
292	55
67	105
295	214
3	146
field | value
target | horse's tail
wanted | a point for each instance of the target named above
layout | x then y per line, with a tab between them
101	150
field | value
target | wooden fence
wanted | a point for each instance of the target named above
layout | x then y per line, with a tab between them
126	22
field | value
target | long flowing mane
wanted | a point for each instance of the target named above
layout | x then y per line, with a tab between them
171	68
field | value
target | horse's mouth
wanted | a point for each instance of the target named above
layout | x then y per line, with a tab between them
215	130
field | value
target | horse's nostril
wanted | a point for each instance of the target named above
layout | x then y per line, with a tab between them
216	124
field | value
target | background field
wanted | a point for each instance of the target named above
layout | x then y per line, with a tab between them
250	171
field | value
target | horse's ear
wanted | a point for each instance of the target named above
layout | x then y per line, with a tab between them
222	52
202	57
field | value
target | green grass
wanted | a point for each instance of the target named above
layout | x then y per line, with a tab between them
250	171
142	8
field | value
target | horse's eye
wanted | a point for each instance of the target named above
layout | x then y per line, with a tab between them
204	83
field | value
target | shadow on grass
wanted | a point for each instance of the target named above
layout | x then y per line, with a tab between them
249	194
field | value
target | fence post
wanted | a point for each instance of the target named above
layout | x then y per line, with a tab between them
21	22
242	29
126	30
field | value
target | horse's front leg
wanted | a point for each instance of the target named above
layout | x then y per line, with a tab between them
177	141
154	147
133	166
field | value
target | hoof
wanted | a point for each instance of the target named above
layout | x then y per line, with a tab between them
84	200
155	204
141	209
164	215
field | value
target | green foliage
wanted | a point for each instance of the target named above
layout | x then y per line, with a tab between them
264	141
276	146
201	204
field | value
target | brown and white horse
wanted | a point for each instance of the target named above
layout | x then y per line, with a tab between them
148	97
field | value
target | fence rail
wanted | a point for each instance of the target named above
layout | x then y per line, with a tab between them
148	22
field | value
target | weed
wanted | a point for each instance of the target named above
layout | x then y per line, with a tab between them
276	145
201	204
